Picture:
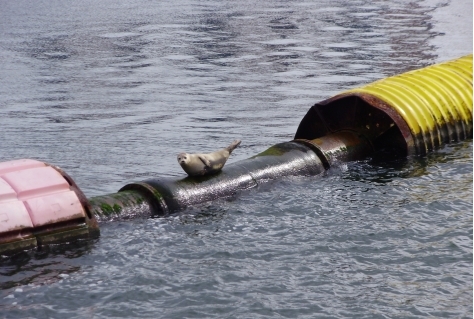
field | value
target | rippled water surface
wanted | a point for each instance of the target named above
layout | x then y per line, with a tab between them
111	91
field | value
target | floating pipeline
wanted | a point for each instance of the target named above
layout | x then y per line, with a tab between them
409	114
413	113
295	158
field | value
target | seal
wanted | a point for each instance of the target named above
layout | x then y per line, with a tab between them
204	164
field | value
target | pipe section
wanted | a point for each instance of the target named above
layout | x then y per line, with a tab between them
280	160
124	204
412	113
295	158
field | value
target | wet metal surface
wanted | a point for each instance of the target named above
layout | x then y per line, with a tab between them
168	195
123	205
340	147
112	91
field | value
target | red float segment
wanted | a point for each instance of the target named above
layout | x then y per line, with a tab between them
40	204
41	191
14	216
7	193
16	165
55	208
34	182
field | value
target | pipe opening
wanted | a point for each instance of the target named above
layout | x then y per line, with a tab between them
365	116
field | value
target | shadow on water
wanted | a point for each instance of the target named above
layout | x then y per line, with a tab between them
43	267
382	168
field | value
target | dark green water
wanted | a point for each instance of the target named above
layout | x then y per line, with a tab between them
112	91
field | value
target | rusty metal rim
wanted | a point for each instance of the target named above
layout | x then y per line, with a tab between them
390	111
412	113
437	132
413	105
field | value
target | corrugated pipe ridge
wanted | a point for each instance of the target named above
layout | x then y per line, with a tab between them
435	102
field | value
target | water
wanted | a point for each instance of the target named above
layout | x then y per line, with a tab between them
112	91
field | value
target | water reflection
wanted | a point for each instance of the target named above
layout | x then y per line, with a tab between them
42	267
110	91
386	170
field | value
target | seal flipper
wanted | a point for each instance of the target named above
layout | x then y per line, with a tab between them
233	146
205	161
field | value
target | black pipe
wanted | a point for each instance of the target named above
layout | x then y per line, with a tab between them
295	158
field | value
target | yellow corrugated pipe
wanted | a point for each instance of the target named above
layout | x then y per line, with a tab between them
435	102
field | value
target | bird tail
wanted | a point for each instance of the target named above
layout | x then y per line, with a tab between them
233	146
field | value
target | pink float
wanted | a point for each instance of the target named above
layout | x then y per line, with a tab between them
40	204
